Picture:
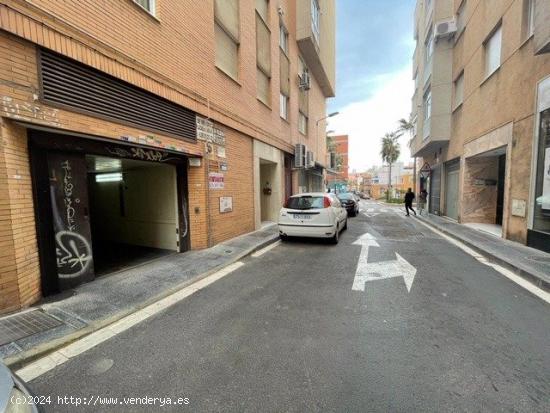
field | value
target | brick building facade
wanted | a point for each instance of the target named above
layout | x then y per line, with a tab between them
481	113
83	166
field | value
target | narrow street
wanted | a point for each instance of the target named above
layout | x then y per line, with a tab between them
286	332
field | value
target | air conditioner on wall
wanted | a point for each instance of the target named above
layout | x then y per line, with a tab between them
299	155
310	160
304	82
445	28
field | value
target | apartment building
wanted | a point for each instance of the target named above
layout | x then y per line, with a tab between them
482	75
137	128
340	176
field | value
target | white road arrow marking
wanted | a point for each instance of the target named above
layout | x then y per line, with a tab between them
366	272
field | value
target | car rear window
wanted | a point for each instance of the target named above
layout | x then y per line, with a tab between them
305	202
346	196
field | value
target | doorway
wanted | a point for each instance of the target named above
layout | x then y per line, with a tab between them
451	189
133	211
268	179
101	206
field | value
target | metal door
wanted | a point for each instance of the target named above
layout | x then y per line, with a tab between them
451	189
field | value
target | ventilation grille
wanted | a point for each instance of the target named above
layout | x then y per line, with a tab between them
85	89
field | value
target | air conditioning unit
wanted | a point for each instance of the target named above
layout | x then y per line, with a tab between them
304	83
310	160
299	155
445	28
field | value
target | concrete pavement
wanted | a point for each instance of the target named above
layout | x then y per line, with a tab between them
286	332
91	306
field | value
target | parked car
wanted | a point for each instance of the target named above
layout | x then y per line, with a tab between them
14	394
350	202
316	215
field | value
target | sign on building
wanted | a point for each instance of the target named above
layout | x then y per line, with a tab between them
226	204
216	180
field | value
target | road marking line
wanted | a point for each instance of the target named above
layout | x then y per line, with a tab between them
261	252
58	357
533	289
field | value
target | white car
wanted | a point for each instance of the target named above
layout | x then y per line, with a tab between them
315	214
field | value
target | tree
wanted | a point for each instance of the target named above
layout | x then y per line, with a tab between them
407	126
390	152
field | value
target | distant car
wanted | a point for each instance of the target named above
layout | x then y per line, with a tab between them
14	394
316	215
350	202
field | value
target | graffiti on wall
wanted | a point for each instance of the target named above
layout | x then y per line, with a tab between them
72	232
140	154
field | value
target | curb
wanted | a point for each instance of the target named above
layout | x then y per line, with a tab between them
526	275
17	361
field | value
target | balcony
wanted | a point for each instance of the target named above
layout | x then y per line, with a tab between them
316	41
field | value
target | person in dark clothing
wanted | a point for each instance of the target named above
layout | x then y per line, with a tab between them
409	198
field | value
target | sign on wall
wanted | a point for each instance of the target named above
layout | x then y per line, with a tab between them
206	131
216	180
226	204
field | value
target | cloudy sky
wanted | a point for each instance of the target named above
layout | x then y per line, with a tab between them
373	74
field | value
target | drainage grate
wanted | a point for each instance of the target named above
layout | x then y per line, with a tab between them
18	326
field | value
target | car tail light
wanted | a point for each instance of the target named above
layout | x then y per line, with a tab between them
326	202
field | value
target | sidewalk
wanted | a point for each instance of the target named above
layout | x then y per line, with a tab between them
91	306
529	263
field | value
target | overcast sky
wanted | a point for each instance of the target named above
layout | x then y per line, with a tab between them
374	83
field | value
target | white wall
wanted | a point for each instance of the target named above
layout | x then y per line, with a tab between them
150	198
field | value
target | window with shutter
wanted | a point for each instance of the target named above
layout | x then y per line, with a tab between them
284	68
226	16
263	87
263	52
227	53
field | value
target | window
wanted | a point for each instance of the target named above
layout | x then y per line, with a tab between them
148	5
459	90
303	98
283	106
283	38
461	18
263	52
302	123
284	72
429	46
226	15
493	48
428	105
315	19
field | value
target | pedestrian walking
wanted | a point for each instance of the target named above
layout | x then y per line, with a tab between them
409	198
422	199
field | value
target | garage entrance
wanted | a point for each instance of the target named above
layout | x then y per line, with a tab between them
103	206
133	211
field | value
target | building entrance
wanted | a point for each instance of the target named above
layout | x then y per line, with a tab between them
102	207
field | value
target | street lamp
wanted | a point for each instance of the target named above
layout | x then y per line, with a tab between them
330	115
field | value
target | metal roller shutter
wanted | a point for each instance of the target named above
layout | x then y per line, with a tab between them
70	84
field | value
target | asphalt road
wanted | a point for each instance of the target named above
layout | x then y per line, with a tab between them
285	332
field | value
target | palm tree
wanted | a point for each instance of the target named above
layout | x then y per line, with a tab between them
407	126
390	152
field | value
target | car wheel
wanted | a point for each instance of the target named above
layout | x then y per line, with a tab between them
345	225
336	236
283	238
